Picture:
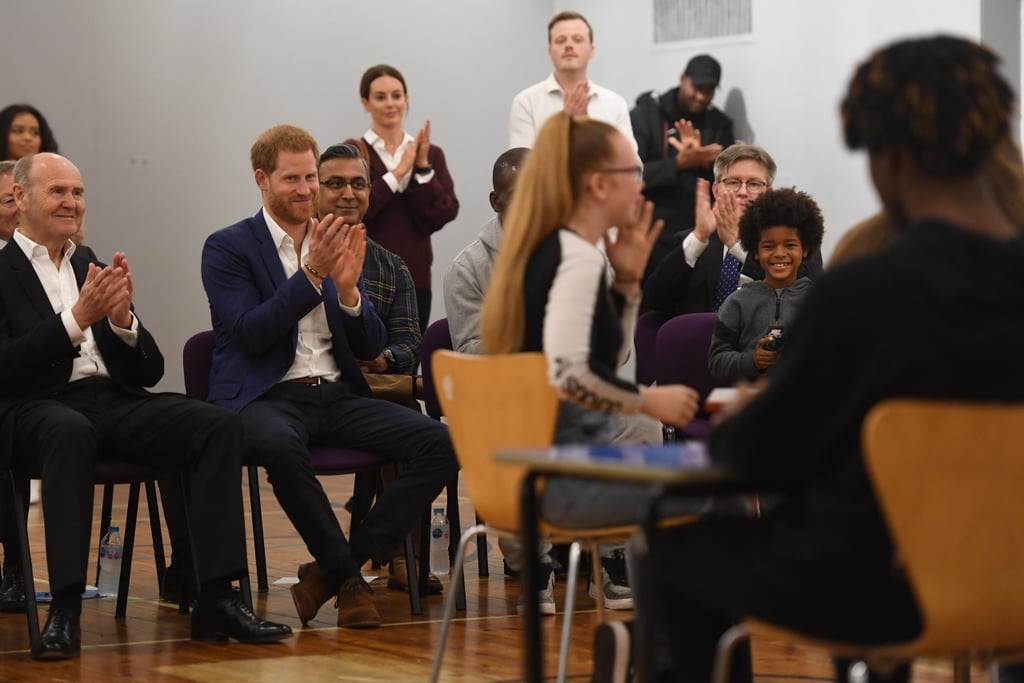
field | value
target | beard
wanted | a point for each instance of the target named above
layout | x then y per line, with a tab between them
288	212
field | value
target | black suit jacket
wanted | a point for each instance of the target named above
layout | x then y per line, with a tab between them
36	354
674	288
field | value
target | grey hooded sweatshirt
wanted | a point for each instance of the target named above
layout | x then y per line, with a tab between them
745	318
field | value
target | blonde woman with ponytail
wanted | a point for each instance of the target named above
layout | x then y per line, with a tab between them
553	290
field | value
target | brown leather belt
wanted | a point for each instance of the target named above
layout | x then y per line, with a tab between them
313	381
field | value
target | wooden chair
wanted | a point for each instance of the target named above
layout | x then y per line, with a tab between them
504	401
949	478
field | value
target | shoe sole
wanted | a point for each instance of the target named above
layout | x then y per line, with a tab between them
298	608
365	624
612	603
545	609
52	656
617	649
220	636
432	588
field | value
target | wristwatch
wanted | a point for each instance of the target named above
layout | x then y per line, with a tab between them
389	356
423	170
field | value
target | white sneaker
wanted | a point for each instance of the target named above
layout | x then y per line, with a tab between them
546	595
33	492
614	583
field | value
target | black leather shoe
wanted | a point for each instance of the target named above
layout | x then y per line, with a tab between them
228	617
12	590
61	637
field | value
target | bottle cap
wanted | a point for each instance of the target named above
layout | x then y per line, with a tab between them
114	529
438	511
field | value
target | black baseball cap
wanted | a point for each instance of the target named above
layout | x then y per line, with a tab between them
704	70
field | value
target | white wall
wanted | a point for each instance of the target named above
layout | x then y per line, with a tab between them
788	79
158	102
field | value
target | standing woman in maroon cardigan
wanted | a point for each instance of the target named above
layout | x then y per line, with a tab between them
412	195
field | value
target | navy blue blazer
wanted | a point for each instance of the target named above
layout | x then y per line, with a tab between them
256	310
36	355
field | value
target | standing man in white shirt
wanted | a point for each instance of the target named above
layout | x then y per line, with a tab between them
571	47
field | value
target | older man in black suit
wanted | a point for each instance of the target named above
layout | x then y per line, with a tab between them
74	361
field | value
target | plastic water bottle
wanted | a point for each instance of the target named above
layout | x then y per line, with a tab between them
440	563
110	562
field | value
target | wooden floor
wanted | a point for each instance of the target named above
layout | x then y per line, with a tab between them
153	644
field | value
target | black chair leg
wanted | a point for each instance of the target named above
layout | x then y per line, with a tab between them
158	537
106	511
127	550
31	610
482	568
414	585
455	533
258	542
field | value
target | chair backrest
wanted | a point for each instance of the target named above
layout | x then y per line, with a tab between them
436	337
491	402
949	477
681	353
643	341
197	359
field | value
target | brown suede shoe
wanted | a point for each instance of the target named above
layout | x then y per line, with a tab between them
355	605
311	592
398	577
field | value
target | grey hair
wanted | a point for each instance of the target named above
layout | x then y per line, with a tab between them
741	151
22	169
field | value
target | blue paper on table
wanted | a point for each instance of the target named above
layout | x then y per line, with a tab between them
45	597
674	455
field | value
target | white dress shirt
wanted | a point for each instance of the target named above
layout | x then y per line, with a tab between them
533	106
313	356
693	248
62	292
391	161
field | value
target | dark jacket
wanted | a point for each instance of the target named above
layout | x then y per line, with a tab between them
673	190
256	311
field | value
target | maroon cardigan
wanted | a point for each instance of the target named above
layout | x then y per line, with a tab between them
403	222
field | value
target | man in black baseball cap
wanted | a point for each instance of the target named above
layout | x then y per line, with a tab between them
679	135
700	78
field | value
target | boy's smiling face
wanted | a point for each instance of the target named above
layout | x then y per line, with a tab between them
780	253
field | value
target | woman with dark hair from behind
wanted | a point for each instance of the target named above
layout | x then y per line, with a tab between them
412	194
1004	172
25	131
931	113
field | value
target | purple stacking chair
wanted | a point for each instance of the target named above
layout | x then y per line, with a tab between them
681	355
644	337
197	359
438	336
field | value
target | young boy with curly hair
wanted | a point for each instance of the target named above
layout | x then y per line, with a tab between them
781	229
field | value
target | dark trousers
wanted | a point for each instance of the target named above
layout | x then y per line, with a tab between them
60	439
711	574
423	299
281	425
8	527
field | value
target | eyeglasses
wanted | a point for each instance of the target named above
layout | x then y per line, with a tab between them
754	186
339	184
637	171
